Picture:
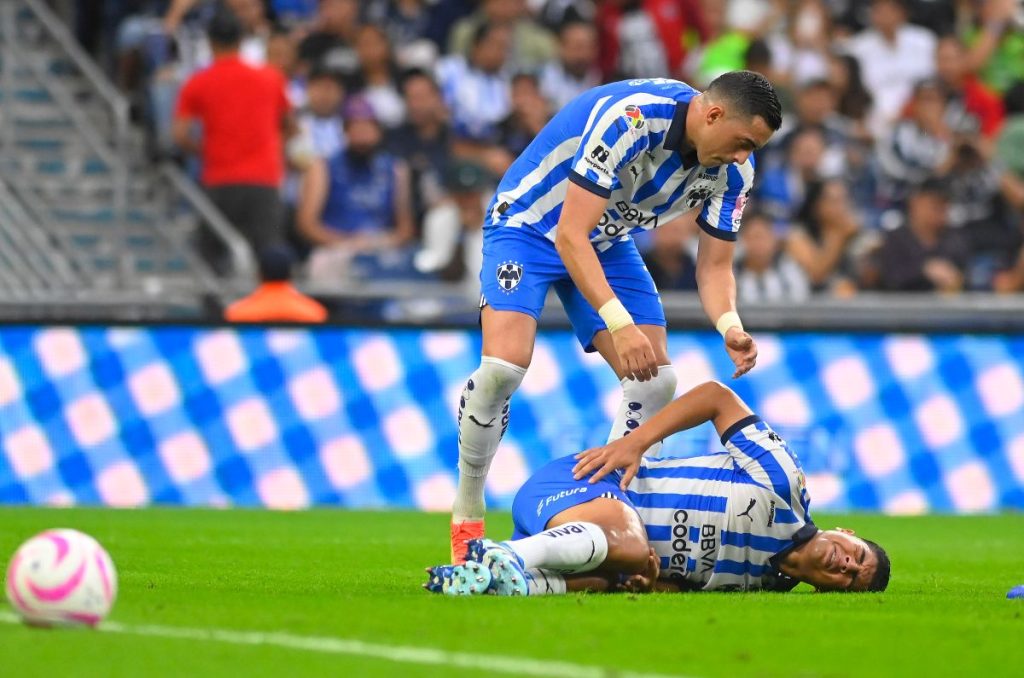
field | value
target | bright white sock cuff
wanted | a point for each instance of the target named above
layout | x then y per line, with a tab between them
545	582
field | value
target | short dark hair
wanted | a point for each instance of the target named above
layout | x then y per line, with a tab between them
224	29
880	581
758	53
751	93
321	71
413	73
933	186
526	75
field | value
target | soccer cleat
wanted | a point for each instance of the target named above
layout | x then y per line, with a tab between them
462	532
471	579
508	576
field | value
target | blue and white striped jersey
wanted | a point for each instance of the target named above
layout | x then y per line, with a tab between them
716	520
626	142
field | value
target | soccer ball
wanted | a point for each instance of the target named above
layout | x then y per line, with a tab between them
61	578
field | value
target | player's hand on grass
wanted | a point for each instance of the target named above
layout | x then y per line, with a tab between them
603	460
636	355
742	349
644	581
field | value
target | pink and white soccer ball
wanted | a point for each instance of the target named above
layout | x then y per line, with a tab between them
61	578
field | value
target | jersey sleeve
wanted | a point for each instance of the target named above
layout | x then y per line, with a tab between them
722	212
615	135
762	454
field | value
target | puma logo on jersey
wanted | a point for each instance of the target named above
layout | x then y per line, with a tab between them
747	512
489	424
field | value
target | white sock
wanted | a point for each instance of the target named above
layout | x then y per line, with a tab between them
571	548
483	419
641	400
544	583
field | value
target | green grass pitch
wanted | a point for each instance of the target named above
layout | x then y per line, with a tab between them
357	575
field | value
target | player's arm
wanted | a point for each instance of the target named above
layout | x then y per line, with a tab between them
607	146
719	221
716	285
711	401
580	214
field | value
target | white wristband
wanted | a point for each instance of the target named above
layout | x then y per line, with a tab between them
727	320
615	315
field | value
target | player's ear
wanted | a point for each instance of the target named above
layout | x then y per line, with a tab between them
714	113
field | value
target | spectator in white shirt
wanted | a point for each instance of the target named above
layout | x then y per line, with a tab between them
477	92
893	55
575	70
765	273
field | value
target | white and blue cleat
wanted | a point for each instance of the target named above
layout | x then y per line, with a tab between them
471	579
508	576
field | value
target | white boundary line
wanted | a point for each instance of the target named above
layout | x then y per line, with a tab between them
521	666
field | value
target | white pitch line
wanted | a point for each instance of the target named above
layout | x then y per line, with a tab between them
396	653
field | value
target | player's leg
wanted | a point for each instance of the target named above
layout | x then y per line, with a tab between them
603	534
566	525
515	276
632	284
484	410
640	399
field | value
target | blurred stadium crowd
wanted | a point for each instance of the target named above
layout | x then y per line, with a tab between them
900	165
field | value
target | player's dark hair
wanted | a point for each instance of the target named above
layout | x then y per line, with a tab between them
750	93
881	579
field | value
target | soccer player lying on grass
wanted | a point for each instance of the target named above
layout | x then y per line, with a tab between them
736	520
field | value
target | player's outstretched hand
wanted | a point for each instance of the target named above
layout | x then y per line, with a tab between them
603	460
636	355
742	349
644	581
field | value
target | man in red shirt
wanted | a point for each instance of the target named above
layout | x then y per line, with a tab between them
244	115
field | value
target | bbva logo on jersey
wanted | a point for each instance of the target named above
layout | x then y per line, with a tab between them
509	274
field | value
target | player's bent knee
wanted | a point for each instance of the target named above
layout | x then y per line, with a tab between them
628	549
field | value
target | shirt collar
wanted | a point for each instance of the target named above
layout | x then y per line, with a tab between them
675	138
802	536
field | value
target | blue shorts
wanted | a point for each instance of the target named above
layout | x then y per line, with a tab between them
519	265
552	490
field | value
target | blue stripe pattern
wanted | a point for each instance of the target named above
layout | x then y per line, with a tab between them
593	155
690	502
776	474
747	540
740	568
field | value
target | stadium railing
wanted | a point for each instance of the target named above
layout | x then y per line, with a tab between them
80	172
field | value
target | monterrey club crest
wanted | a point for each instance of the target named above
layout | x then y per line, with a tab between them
697	195
509	275
634	116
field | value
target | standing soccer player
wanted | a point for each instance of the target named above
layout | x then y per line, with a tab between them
620	158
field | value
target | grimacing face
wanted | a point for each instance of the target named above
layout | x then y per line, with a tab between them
726	138
838	560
